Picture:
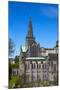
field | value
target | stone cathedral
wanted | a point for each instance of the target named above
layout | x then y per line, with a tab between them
37	63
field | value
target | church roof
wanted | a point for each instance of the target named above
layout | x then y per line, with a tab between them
53	57
35	58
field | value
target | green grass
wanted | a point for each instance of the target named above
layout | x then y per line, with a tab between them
17	81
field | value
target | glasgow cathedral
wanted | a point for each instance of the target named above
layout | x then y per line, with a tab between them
36	62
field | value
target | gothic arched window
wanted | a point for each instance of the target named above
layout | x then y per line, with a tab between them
33	65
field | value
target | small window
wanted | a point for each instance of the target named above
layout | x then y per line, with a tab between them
25	66
27	78
51	63
45	76
43	66
33	77
39	66
33	65
28	65
54	67
41	62
39	78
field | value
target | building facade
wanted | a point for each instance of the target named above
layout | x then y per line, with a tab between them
37	63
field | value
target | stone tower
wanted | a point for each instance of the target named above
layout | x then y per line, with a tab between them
30	38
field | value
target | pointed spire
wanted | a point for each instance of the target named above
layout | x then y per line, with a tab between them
30	38
30	32
57	43
21	48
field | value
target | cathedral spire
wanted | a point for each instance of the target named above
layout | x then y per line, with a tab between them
30	38
30	31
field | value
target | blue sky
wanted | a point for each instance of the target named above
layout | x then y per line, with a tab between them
44	21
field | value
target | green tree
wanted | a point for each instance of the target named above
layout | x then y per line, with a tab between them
10	71
11	51
16	59
11	47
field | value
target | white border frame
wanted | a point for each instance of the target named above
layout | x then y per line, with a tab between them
4	43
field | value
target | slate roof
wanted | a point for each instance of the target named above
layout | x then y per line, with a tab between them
53	56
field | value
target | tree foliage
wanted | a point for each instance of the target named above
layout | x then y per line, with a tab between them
11	51
10	71
16	59
11	47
